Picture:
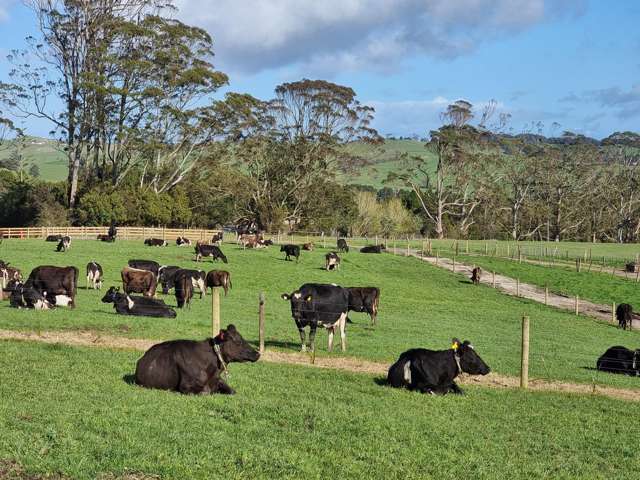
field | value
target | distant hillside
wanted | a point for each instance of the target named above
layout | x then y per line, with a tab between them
45	153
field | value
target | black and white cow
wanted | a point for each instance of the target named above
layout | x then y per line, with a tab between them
342	245
94	275
156	242
8	273
624	315
148	265
27	297
365	299
64	244
372	249
53	238
315	304
217	238
196	277
183	241
291	251
620	359
191	367
125	304
213	251
331	261
167	276
434	371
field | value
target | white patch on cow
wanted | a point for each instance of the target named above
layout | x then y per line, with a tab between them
407	371
129	302
334	284
297	295
63	300
41	305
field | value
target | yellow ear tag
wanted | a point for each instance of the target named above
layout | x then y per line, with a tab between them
454	346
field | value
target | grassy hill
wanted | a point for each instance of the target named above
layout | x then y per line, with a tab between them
44	153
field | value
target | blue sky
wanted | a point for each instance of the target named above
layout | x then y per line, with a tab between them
574	62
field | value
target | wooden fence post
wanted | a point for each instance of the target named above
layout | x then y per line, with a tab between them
215	311
408	246
261	323
486	248
493	281
546	294
437	255
524	361
517	287
324	241
577	305
454	264
467	245
613	312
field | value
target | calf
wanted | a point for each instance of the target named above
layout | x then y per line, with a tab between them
308	246
53	238
167	277
106	238
64	244
138	281
148	265
620	359
321	305
291	251
219	278
434	372
217	238
196	277
156	242
27	297
183	241
365	299
475	275
213	251
372	249
184	291
94	275
137	306
624	314
191	367
342	245
331	261
59	283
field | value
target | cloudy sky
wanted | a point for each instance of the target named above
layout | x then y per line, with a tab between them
573	62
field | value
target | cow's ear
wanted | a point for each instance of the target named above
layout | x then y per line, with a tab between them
220	336
455	344
309	298
231	327
285	296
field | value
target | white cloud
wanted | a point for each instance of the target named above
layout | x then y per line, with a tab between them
254	35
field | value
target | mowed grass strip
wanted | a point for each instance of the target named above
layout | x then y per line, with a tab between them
421	305
71	411
597	287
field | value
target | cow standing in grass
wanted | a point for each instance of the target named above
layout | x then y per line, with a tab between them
219	278
476	275
94	275
64	244
342	245
331	261
624	315
291	251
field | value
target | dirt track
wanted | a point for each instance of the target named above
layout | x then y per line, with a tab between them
348	364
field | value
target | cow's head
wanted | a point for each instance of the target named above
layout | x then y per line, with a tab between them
233	347
110	296
299	303
470	361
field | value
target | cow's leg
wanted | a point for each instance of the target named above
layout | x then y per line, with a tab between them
342	323
331	331
223	388
303	339
454	388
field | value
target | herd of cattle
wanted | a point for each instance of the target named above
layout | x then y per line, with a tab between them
196	367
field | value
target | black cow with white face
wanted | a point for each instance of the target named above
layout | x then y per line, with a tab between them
192	367
434	371
64	244
319	305
621	360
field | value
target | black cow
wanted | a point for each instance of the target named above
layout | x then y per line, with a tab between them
624	314
64	244
291	251
219	278
184	290
342	245
620	359
196	277
267	243
203	250
167	276
187	366
125	304
372	249
322	305
53	238
365	299
59	283
148	265
331	261
27	297
183	241
94	275
106	238
476	274
434	371
156	242
113	231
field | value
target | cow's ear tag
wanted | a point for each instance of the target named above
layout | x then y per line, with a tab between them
221	335
455	345
308	299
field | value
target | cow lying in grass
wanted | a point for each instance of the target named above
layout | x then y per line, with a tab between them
27	297
138	306
434	372
188	366
620	359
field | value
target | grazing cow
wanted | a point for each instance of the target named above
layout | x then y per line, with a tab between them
195	276
365	299
434	371
267	243
251	241
27	297
106	238
184	290
331	261
213	251
475	275
624	314
372	249
291	251
53	238
322	305
342	245
64	244
148	265
59	283
620	359
630	267
191	367
183	241
167	277
217	238
219	278
308	246
94	275
156	242
138	281
125	304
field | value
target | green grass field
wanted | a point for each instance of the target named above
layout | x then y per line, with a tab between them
70	411
421	305
47	155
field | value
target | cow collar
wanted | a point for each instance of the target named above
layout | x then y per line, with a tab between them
457	359
218	350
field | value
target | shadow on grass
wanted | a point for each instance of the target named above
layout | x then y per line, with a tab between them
381	381
129	379
283	344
